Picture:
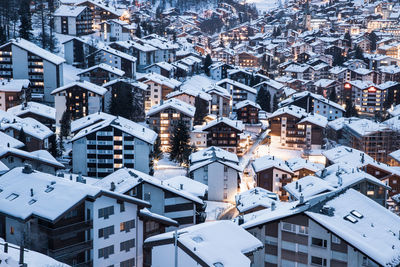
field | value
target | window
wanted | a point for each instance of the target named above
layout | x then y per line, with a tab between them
106	231
225	169
335	239
12	196
128	263
319	242
106	252
11	230
318	261
122	206
147	196
127	226
106	212
127	245
356	214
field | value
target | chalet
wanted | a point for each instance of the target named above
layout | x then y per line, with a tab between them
255	199
101	12
14	92
247	112
163	68
238	91
117	30
100	74
40	112
220	101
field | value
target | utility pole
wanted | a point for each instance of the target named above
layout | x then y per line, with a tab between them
176	236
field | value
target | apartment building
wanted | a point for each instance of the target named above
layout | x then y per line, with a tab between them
101	12
315	103
219	170
21	59
79	99
247	111
175	203
224	133
72	222
117	30
164	116
220	101
100	74
238	91
367	97
342	228
297	129
73	20
158	88
104	146
76	50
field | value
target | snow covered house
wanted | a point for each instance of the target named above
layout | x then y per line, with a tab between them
36	134
394	158
22	59
117	30
340	228
105	146
14	92
40	112
79	99
219	170
219	70
158	88
198	137
298	129
220	243
73	20
315	103
172	200
74	223
238	91
189	95
166	49
272	174
303	167
101	12
100	74
247	111
114	58
77	49
163	68
224	133
164	116
255	199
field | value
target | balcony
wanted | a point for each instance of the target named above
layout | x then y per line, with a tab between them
80	226
72	249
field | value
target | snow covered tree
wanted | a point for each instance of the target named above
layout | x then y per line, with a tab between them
350	109
22	136
60	145
332	95
180	143
53	146
373	38
274	103
201	110
65	124
264	99
207	64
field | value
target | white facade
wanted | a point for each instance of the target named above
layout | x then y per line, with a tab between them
222	181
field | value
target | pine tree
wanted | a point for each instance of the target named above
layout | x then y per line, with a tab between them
359	53
65	124
373	38
25	20
332	95
138	32
347	37
274	103
389	99
338	60
350	109
22	136
180	145
207	64
53	146
264	99
201	110
121	103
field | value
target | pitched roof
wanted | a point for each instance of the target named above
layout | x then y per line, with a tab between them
105	67
173	103
85	85
34	108
247	102
267	162
238	125
68	11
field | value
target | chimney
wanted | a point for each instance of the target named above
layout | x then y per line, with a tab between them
27	168
181	186
112	186
300	188
6	248
241	220
273	206
301	199
297	184
31	192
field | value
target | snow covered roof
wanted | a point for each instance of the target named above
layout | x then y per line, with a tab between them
290	110
297	68
85	85
135	84
254	198
363	71
173	103
115	11
15	85
296	164
9	141
31	258
163	65
157	78
339	123
308	186
68	11
219	243
198	82
238	125
315	119
364	224
146	213
42	156
365	127
189	91
38	51
105	67
237	84
125	125
218	90
30	126
244	103
90	119
190	185
213	151
395	155
118	53
34	108
51	197
324	82
297	96
267	162
272	83
125	179
361	84
393	123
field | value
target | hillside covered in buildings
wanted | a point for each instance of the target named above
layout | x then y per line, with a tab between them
220	133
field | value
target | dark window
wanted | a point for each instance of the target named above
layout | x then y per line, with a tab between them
318	261
106	231
127	245
106	212
318	242
106	252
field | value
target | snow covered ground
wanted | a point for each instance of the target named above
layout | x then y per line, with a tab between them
264	5
165	169
215	209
